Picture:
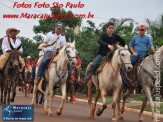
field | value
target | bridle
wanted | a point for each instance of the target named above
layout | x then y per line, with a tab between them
69	57
123	63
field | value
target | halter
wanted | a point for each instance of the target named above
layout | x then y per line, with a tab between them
69	57
123	68
121	58
65	71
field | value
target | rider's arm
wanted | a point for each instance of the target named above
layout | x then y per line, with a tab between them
102	42
131	49
120	39
151	45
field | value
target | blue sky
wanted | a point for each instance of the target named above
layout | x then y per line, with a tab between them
138	10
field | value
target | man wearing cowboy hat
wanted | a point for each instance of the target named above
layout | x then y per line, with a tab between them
29	62
53	41
10	38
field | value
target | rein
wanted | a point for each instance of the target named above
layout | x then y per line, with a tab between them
123	63
55	62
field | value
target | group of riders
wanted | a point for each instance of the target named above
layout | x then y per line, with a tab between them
54	41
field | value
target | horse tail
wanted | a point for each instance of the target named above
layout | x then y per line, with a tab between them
40	86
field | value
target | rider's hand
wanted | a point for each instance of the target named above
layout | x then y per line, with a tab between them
111	47
135	54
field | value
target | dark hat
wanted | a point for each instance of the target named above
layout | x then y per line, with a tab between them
59	25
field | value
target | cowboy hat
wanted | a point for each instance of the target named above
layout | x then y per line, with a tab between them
28	56
8	31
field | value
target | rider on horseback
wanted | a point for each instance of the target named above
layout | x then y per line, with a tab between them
107	42
53	41
7	42
140	43
139	48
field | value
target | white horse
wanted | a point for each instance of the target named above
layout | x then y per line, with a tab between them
56	74
109	79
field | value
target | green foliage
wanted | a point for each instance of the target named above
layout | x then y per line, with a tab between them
49	23
29	47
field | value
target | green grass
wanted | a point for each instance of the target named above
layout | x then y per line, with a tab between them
148	108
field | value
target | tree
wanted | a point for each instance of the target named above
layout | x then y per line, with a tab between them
49	23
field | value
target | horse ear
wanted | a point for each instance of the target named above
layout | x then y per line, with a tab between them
73	43
119	47
126	46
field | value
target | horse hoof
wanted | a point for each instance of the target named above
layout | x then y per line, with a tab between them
99	112
121	118
91	116
50	113
59	112
114	119
141	121
12	100
8	103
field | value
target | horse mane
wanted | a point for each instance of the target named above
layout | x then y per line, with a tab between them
109	56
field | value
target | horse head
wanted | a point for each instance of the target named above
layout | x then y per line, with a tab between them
14	56
124	58
71	53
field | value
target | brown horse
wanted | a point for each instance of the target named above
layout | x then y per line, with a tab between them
10	76
72	82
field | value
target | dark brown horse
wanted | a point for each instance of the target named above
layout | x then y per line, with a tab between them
10	76
72	82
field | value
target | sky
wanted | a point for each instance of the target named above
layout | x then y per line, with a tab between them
138	10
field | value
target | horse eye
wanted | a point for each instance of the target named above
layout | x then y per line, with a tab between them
67	51
122	55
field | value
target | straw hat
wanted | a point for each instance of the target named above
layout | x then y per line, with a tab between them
28	56
8	31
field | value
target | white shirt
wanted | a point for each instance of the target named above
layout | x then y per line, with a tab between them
6	45
51	38
41	53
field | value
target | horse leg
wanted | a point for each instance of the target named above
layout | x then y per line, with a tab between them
5	95
51	85
63	89
125	96
118	103
34	93
46	99
104	106
13	94
1	94
67	89
8	99
142	109
73	94
89	86
95	102
151	103
28	89
37	95
114	101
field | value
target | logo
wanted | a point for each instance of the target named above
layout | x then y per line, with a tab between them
17	112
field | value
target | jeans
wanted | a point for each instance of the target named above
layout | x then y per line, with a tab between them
134	59
43	63
95	64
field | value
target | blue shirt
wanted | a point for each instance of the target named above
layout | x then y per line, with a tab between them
141	44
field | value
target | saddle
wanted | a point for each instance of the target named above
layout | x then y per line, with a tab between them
137	66
102	64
